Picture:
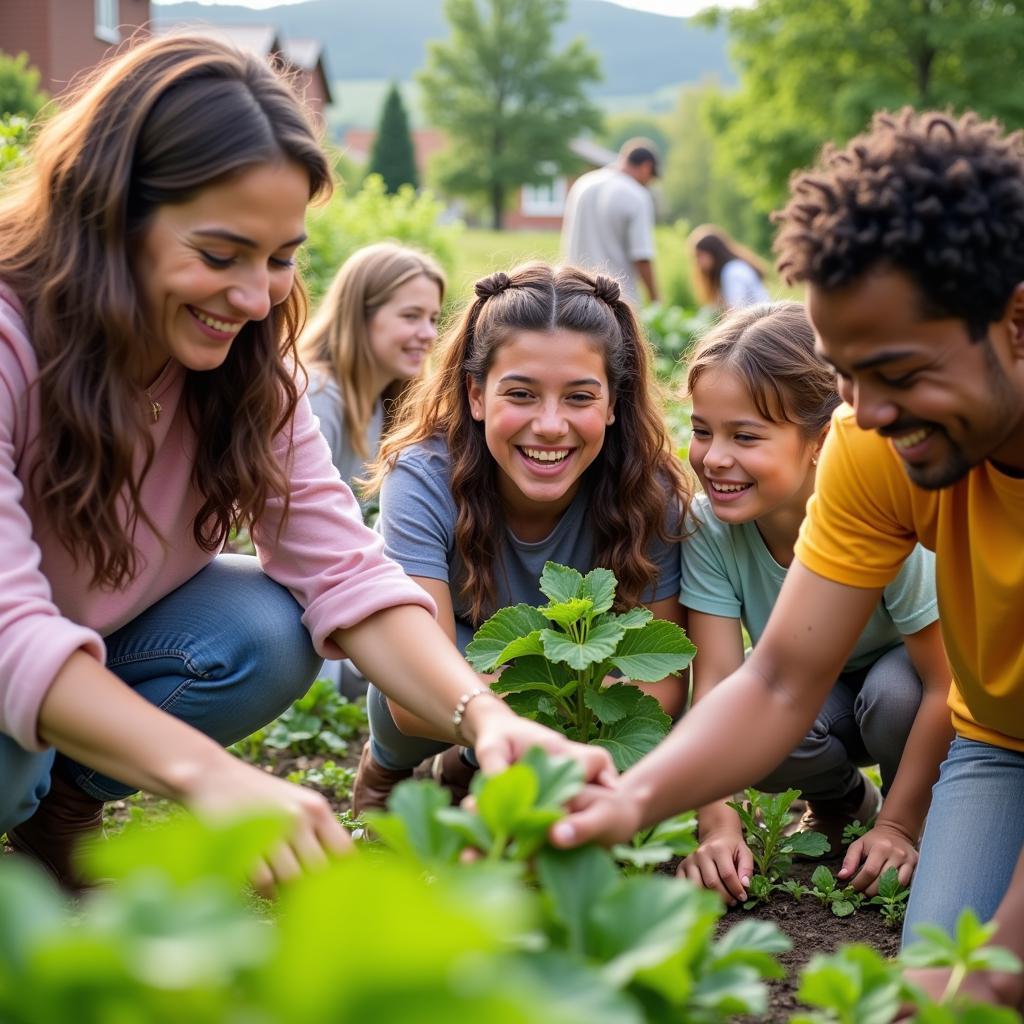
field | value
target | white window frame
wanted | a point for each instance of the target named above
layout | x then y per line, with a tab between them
107	18
546	199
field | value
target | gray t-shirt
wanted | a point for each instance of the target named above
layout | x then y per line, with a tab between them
728	570
608	225
417	520
329	409
741	285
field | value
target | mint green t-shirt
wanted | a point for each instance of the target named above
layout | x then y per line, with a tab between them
729	571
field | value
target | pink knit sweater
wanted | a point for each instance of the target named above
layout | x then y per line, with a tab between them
333	565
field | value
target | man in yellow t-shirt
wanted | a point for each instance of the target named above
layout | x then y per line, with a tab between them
910	241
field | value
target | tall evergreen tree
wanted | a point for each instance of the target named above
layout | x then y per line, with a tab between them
509	101
393	156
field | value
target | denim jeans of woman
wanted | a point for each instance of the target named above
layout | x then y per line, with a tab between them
226	652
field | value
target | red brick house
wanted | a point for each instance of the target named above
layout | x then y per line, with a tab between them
64	37
537	207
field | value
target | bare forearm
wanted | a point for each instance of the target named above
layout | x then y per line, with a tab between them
93	717
744	727
413	662
910	795
645	270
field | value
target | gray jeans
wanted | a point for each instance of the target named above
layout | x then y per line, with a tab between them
390	747
866	719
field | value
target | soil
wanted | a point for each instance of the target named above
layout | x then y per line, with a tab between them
811	927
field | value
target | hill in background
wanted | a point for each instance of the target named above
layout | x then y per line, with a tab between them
644	57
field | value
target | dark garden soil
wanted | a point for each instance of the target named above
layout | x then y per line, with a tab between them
810	926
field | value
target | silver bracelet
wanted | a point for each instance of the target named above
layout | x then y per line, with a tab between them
460	710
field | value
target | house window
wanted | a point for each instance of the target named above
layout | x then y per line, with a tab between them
106	21
547	199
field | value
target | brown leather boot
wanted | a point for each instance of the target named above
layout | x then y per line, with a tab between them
453	772
830	817
374	783
65	818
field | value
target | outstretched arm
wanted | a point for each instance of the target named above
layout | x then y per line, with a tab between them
748	724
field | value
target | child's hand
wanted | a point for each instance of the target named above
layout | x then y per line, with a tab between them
885	846
722	862
599	814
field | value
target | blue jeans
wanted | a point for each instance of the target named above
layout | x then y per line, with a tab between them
972	838
226	652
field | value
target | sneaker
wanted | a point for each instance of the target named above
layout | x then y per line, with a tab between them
374	782
453	772
830	817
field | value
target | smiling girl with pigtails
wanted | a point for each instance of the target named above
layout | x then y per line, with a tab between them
540	438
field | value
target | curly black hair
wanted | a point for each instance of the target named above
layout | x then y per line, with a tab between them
938	197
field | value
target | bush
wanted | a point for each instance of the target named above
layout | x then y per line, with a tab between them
19	87
13	141
371	215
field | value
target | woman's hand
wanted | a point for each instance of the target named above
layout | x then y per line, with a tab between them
598	814
313	834
722	862
500	737
885	846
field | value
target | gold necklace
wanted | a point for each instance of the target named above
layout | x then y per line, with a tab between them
155	408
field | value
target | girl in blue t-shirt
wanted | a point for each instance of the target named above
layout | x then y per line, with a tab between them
540	437
762	403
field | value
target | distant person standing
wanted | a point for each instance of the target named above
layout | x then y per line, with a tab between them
609	220
726	275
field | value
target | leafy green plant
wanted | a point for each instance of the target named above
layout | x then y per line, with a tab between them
559	655
13	140
765	818
760	890
892	897
672	331
854	831
674	837
333	780
320	722
841	900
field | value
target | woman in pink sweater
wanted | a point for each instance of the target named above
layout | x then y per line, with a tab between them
149	404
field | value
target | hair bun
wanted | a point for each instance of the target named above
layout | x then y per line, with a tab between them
492	284
607	289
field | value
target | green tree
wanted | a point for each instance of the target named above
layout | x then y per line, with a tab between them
815	70
510	103
19	86
393	157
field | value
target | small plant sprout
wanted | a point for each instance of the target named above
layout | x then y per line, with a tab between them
854	831
764	819
760	890
892	897
333	780
674	837
558	657
963	952
841	901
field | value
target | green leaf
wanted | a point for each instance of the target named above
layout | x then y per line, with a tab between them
560	583
612	703
573	881
567	613
599	585
523	647
807	844
731	990
678	832
842	908
856	985
577	993
823	880
754	943
889	886
642	856
525	703
635	618
638	734
600	643
470	827
653	652
415	804
559	779
529	673
503	800
504	626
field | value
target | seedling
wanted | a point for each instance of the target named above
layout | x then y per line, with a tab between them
675	837
333	780
892	897
794	888
760	891
854	831
841	901
765	818
557	659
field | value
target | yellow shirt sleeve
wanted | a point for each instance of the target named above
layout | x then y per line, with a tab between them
859	525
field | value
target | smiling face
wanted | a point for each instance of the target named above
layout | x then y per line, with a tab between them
545	406
403	330
945	402
751	468
207	267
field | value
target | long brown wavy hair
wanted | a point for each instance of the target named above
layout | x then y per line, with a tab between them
635	480
153	126
336	342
